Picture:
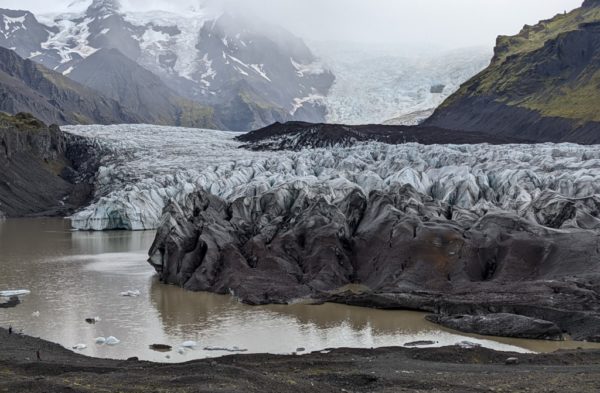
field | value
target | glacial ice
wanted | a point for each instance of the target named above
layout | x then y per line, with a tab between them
151	165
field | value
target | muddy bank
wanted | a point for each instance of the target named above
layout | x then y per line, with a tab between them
449	369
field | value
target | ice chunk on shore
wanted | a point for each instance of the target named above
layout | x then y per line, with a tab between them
18	292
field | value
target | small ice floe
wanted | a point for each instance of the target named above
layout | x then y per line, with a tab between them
92	321
189	344
35	314
112	340
17	292
134	293
79	347
100	340
234	349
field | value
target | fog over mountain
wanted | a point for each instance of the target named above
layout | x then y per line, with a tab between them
433	22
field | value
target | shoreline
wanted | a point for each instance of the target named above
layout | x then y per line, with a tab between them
447	369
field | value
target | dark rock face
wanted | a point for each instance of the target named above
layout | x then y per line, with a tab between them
300	135
508	325
542	84
43	171
28	87
409	251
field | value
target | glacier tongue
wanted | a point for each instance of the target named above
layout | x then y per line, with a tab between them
553	185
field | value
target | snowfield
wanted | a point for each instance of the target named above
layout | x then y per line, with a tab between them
150	165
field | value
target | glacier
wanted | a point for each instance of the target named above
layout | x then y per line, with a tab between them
376	85
554	185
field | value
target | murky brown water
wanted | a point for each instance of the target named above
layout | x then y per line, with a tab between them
77	275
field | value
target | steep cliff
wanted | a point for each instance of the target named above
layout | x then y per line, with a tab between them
542	84
42	170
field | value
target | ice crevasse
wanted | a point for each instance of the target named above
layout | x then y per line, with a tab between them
152	165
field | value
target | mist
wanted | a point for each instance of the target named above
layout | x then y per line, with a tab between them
440	23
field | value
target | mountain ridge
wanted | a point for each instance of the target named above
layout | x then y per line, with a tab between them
541	85
29	87
218	60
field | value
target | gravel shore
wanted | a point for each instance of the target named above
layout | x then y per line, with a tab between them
449	369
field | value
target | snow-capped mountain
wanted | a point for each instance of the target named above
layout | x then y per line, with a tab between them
249	73
376	85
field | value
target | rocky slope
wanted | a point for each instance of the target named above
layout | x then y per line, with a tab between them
249	73
29	87
299	136
114	75
43	171
543	84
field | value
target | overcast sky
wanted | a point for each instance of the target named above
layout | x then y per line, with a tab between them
447	23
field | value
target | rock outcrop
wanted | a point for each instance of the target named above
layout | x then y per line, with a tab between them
542	84
508	325
407	250
299	135
43	171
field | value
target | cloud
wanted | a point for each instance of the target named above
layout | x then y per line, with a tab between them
447	23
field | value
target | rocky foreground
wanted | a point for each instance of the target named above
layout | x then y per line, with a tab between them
449	369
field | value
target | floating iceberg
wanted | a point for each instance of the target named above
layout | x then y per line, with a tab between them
135	293
189	344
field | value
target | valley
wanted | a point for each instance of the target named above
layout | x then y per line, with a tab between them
220	196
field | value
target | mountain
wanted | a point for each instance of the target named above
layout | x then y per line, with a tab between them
250	73
41	167
109	72
29	87
543	84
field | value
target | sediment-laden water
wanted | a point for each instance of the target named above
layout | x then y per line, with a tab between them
74	275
